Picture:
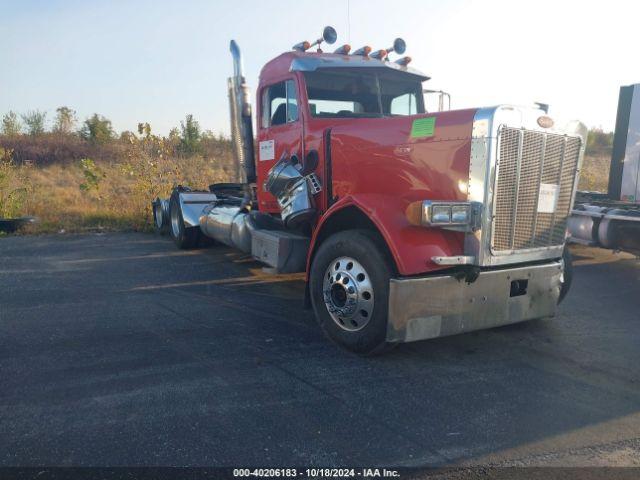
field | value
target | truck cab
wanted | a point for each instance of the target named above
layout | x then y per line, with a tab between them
303	95
409	224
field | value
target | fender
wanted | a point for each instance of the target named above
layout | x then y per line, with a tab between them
410	246
192	204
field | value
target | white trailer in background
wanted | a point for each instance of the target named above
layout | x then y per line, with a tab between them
612	220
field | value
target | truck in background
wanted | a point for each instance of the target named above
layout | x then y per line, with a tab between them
612	220
409	224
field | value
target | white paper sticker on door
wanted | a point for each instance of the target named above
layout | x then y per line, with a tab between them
267	150
548	198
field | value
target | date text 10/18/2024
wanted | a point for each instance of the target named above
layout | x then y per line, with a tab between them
316	473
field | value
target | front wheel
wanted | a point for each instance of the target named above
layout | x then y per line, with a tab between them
184	237
349	286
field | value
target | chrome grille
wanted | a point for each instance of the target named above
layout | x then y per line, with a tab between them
527	159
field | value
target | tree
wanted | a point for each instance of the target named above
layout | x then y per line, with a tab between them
174	134
208	135
190	137
34	121
65	120
599	142
11	126
144	129
128	136
97	129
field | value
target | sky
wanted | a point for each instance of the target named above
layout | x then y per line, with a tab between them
156	61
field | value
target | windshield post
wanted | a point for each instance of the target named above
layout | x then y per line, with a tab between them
379	94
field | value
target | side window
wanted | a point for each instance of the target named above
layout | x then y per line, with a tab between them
292	101
404	104
279	104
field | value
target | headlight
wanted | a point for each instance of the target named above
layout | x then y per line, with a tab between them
465	216
460	214
439	214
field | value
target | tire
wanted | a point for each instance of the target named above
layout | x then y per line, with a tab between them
184	237
160	222
567	274
359	305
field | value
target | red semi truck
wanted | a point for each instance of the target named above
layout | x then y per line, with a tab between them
409	224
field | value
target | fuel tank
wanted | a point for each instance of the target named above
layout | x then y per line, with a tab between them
227	224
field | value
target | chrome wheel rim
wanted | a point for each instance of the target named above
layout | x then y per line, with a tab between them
158	214
175	222
348	293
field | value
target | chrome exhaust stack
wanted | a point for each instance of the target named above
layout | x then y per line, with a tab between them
241	123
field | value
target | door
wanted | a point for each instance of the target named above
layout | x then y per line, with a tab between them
280	133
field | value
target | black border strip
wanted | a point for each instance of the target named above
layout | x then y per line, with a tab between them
395	473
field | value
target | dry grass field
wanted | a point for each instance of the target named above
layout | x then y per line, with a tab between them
595	172
120	199
107	194
73	186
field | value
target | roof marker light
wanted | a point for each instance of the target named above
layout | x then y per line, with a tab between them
404	61
302	46
380	54
363	52
343	50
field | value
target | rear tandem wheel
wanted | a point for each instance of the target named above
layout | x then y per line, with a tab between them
184	237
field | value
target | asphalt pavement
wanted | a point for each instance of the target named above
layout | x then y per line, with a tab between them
119	350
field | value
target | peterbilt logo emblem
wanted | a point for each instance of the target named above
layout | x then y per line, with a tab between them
545	122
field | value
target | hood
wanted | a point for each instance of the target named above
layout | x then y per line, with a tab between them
418	157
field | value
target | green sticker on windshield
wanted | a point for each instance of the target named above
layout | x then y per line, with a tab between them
423	127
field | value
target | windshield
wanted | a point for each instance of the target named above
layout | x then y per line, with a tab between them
362	93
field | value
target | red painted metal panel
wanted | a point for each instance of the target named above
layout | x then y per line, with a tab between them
377	166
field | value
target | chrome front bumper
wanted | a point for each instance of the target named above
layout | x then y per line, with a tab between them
437	306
